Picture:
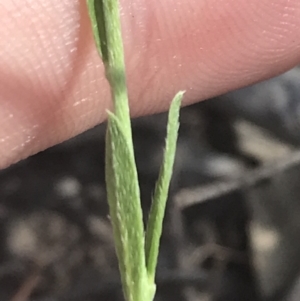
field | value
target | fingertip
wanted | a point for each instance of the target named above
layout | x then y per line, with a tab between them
52	79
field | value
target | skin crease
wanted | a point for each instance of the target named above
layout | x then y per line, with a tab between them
52	83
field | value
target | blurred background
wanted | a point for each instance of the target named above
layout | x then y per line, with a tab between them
232	227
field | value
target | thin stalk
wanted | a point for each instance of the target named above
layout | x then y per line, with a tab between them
120	169
137	258
105	16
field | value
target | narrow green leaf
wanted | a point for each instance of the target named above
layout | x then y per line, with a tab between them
155	221
96	12
126	213
106	25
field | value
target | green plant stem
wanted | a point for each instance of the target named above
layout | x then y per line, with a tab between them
137	254
120	169
106	24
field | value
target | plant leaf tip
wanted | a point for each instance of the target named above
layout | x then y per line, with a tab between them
178	97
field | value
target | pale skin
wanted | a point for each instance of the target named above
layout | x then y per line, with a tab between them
52	83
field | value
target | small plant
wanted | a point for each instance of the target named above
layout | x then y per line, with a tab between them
137	249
